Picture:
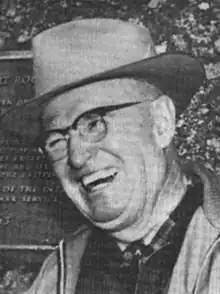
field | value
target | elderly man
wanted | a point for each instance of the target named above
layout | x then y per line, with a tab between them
104	114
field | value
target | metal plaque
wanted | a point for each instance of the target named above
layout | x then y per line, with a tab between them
33	208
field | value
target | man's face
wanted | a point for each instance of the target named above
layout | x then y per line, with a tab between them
113	180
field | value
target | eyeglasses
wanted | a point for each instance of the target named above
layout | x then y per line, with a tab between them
91	127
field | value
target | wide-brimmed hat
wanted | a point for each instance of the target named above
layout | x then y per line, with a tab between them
86	51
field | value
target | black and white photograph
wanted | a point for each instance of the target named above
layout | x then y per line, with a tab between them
110	147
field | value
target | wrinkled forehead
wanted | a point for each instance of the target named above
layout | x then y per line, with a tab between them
62	110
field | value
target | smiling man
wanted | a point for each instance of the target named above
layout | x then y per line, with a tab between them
107	158
104	114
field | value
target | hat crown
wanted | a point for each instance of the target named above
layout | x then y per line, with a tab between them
85	47
66	54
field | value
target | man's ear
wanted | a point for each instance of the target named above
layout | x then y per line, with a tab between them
163	112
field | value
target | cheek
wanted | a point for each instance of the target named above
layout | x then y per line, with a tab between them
142	163
67	181
129	150
126	145
61	170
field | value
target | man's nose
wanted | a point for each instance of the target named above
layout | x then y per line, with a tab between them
79	152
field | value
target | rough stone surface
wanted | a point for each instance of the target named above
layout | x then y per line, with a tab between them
217	45
155	3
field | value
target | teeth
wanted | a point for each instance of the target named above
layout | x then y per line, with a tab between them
97	187
100	175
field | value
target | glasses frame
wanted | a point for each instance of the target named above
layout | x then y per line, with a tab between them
102	112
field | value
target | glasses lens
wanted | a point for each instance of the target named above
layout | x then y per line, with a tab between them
92	127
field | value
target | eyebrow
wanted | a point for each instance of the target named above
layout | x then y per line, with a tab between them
102	110
108	108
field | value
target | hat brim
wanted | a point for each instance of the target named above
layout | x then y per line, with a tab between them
177	75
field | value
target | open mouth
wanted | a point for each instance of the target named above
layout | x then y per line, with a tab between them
98	180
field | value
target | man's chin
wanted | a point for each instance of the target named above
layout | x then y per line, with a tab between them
102	216
111	222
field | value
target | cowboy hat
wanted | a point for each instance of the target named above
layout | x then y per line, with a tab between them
87	51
